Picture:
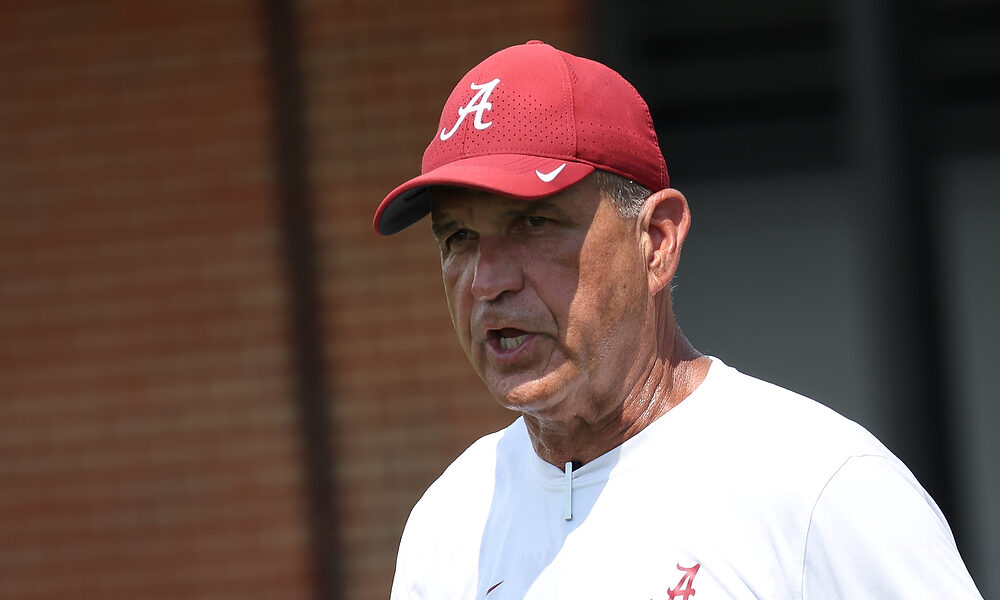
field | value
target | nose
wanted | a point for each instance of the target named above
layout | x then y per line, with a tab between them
498	269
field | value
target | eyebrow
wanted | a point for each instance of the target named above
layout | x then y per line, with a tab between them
440	227
530	207
443	224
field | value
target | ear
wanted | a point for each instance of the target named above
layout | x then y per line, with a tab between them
663	225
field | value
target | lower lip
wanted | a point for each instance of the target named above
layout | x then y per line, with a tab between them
506	355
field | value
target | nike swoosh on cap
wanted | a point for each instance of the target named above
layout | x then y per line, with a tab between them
548	177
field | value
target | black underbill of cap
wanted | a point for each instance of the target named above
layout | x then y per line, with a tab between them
408	208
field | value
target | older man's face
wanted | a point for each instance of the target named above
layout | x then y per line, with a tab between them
547	296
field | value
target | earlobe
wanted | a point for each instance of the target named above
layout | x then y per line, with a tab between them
665	220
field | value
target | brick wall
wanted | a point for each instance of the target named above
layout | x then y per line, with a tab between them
148	448
148	438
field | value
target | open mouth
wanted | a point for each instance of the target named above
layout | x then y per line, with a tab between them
509	338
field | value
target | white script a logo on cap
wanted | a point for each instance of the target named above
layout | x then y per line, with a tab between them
478	104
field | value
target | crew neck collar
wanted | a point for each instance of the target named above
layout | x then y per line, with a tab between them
622	457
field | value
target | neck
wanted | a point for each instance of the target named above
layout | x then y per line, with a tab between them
667	378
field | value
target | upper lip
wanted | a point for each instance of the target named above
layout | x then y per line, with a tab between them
490	321
492	328
496	330
505	332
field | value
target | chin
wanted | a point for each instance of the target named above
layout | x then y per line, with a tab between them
535	398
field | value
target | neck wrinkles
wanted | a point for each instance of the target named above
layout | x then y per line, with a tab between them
667	379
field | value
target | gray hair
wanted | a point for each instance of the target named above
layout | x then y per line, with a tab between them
627	195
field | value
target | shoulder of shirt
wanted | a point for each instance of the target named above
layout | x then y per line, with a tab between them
792	445
470	478
782	416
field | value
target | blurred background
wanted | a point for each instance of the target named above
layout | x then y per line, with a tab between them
217	382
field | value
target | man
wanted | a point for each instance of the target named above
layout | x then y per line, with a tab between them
639	468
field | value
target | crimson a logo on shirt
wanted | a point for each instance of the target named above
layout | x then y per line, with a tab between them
685	587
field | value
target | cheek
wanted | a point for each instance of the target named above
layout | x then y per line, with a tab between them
456	290
555	282
613	287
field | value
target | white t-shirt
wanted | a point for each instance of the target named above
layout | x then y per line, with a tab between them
743	490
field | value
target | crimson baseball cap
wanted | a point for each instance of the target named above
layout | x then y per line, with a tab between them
528	122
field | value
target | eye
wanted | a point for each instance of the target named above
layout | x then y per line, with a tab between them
532	223
460	239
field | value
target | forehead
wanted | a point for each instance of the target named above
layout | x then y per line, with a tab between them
455	202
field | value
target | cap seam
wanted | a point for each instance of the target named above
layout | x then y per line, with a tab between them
570	96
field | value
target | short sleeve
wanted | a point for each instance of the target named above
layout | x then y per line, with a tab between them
403	588
875	533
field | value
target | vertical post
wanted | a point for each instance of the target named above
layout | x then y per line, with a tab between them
290	161
891	129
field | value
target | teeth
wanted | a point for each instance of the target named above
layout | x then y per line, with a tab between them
509	343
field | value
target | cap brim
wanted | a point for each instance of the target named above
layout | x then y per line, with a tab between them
513	175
